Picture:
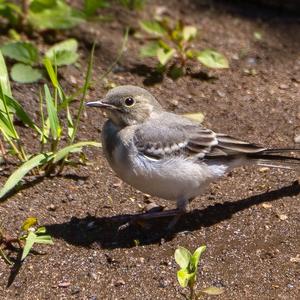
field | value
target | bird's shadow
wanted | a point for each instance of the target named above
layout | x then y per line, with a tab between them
103	231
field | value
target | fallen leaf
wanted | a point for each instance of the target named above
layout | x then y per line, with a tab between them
197	117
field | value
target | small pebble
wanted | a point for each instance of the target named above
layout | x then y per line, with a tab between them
64	284
282	217
295	259
119	282
264	169
297	139
283	86
51	207
75	290
266	205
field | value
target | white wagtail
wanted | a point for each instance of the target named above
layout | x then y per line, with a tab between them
168	155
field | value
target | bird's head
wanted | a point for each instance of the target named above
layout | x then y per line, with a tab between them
127	105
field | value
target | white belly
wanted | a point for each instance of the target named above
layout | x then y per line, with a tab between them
171	179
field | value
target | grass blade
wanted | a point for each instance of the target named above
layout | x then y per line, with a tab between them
84	92
52	114
4	78
21	113
59	155
30	240
26	167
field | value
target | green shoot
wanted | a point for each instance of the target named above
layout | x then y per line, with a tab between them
172	47
30	234
187	274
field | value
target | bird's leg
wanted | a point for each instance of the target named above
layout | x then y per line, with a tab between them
149	216
181	209
175	213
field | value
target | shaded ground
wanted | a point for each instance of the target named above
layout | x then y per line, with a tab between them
252	248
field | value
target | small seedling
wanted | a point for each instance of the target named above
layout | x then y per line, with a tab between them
172	46
28	66
30	234
187	274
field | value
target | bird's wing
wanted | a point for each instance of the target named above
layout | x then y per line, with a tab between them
177	135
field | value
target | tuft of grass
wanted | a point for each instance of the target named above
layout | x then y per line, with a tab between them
54	154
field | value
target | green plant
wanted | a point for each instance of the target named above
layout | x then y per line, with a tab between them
52	156
29	235
133	4
187	274
40	14
172	47
27	69
90	7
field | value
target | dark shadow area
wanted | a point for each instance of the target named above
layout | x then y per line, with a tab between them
151	76
103	231
253	9
15	269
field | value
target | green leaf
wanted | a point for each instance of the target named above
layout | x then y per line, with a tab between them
59	155
212	59
29	241
28	223
150	49
26	167
39	5
212	290
183	277
70	123
196	257
91	6
51	72
4	78
197	117
164	56
63	53
25	73
6	126
182	257
23	52
175	72
52	114
44	239
189	33
60	16
41	230
21	113
257	35
153	27
11	12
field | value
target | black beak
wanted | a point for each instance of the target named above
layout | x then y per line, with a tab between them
100	103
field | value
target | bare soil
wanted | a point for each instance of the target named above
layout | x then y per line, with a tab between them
249	220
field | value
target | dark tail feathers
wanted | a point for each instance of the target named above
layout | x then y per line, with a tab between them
277	158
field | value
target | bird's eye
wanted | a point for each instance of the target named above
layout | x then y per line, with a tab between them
129	101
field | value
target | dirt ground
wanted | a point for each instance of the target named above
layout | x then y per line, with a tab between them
249	220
